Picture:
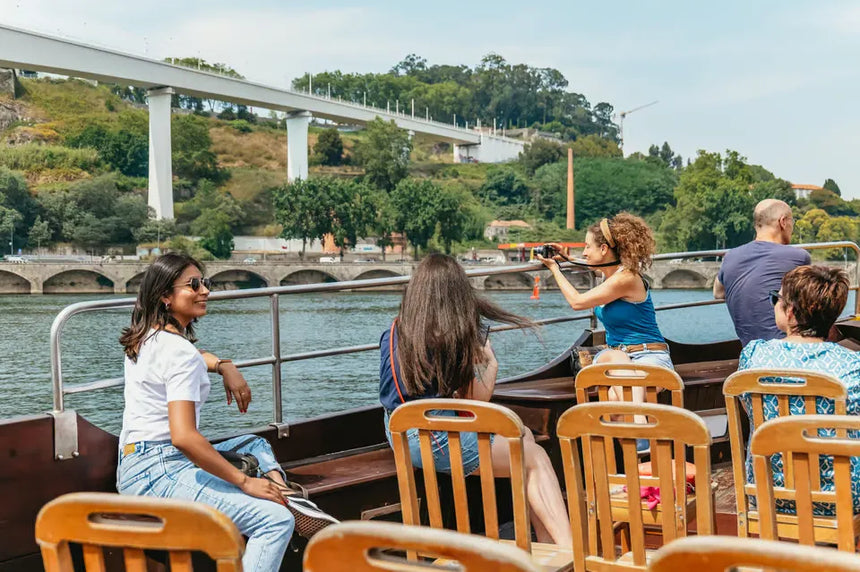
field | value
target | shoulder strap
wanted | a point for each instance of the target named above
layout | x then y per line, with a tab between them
391	358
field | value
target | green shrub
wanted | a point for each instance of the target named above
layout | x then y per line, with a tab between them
36	158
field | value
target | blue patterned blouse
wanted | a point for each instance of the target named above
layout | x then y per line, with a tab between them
824	357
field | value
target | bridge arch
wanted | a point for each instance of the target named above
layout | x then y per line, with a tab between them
517	281
13	283
307	276
683	278
381	273
132	286
237	279
580	281
78	281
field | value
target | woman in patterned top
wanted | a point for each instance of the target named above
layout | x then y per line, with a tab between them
805	308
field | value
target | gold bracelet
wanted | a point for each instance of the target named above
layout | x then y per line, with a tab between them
218	365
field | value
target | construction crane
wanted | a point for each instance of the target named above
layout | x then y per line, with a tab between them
624	114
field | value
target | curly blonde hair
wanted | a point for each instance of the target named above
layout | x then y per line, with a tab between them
634	241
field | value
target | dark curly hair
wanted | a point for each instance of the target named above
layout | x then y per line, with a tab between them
634	241
816	295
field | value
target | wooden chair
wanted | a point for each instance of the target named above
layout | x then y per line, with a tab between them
135	524
590	488
721	553
366	546
754	382
798	440
485	419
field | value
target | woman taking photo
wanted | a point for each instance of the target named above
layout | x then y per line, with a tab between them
162	453
620	249
438	347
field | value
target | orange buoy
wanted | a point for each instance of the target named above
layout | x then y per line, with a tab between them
536	289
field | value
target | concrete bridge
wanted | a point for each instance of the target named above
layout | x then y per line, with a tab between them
23	49
120	278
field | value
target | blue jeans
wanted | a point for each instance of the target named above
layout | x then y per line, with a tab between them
648	357
159	469
439	443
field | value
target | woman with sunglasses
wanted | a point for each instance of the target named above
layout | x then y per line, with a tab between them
162	453
805	309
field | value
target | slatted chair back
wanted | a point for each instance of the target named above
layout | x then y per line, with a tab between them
135	524
591	487
484	419
724	554
368	546
759	384
627	376
801	444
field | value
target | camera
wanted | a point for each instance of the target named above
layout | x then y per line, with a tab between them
546	250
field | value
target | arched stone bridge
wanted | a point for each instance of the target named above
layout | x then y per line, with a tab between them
53	278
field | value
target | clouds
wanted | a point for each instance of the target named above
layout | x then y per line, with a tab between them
768	78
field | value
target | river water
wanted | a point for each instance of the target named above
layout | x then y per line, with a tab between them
240	329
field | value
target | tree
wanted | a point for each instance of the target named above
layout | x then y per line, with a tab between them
39	233
595	146
451	216
15	196
384	154
352	211
831	186
837	229
540	152
328	149
125	151
156	230
301	209
8	220
830	202
192	154
216	236
504	186
385	219
416	204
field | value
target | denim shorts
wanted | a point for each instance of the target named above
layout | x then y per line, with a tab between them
647	357
439	443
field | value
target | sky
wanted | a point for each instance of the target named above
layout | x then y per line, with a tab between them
778	81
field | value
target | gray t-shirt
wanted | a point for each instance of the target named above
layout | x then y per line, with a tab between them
748	273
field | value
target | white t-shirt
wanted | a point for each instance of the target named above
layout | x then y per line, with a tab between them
168	368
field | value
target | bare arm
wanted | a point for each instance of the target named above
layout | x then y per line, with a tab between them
619	286
185	437
485	381
234	383
719	289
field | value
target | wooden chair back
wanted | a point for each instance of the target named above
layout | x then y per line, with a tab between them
485	419
367	546
722	554
801	444
627	376
135	524
755	382
591	487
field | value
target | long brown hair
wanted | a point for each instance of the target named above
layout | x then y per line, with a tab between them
634	241
439	328
149	311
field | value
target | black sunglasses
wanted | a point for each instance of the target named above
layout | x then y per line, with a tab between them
195	283
775	296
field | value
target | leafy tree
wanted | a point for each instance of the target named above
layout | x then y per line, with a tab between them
835	229
9	219
595	146
301	209
125	151
831	186
216	236
451	216
416	203
39	233
328	149
603	187
384	154
193	157
352	211
830	202
666	156
385	219
156	230
540	152
504	186
15	196
185	245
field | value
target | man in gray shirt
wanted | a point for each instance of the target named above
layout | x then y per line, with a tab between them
750	271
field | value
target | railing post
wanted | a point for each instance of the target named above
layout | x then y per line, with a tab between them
592	317
277	410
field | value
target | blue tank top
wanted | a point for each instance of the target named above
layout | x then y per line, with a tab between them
630	323
389	396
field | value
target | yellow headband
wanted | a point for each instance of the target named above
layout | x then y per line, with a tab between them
604	228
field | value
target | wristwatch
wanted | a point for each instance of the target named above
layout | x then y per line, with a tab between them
218	365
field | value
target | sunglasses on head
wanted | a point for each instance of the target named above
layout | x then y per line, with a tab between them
195	283
775	296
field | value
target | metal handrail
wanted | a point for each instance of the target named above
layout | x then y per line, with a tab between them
276	359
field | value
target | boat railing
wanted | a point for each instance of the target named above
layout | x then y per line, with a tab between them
65	424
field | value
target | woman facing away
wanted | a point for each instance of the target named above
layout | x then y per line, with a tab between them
162	453
805	308
622	301
437	347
